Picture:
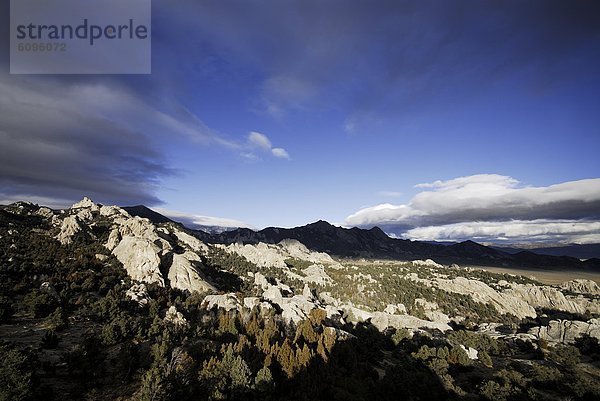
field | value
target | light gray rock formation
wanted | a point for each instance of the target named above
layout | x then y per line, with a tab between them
382	321
261	281
69	228
566	331
581	286
86	203
316	274
261	254
138	293
184	275
101	257
251	302
544	297
398	309
296	249
270	255
471	352
175	318
511	303
45	212
225	301
193	243
427	263
141	259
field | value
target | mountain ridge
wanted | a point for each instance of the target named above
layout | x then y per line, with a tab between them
322	236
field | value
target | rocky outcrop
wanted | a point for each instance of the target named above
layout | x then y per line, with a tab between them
275	255
262	255
192	243
175	318
296	249
581	286
69	228
471	352
138	293
427	263
382	321
316	274
225	301
145	250
140	257
86	203
566	331
481	292
184	275
545	297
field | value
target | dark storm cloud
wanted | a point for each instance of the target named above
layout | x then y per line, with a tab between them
52	146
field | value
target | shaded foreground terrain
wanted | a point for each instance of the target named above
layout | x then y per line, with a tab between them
96	304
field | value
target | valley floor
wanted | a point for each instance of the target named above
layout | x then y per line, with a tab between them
544	276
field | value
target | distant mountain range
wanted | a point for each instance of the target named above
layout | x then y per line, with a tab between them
374	243
580	251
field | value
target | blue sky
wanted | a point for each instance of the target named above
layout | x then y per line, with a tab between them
363	100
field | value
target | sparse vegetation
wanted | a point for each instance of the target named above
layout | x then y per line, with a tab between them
71	333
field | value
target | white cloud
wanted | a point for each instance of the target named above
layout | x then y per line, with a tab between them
193	220
280	153
459	208
258	141
516	231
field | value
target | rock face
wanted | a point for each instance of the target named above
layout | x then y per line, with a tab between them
296	249
427	263
262	255
69	228
471	352
481	292
382	321
85	203
141	259
275	255
581	286
545	297
175	318
566	331
225	301
316	274
138	293
145	251
184	275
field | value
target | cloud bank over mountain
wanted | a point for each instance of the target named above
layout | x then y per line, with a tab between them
198	221
492	207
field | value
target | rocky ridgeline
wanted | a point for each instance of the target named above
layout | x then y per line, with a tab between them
168	255
146	251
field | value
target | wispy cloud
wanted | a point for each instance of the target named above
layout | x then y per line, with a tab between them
400	64
260	142
390	194
62	140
